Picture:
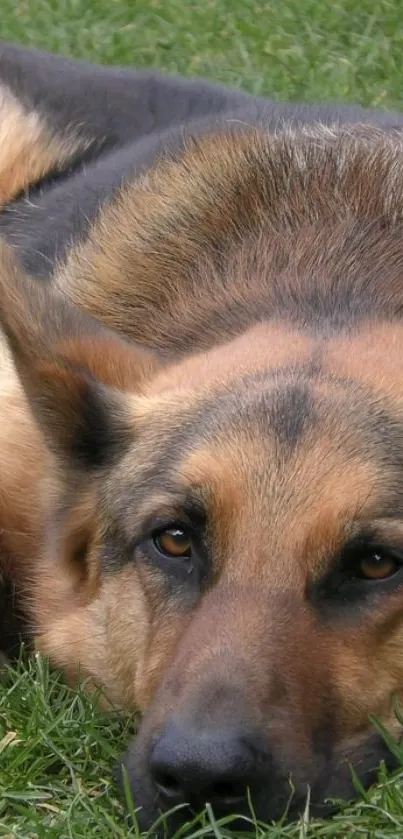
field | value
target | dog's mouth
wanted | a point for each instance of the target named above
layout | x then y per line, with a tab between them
264	797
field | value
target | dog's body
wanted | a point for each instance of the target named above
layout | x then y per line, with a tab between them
201	499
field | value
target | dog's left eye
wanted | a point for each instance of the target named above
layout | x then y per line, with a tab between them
377	565
363	570
173	542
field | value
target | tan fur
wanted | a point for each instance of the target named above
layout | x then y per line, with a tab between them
29	148
24	463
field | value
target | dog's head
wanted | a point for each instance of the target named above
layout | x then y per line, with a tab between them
225	552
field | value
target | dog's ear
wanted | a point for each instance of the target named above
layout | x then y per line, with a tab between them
74	371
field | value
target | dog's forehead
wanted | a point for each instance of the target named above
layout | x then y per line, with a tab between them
283	459
282	505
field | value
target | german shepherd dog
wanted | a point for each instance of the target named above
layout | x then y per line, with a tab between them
201	423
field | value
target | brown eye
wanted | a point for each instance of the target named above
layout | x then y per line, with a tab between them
173	542
378	566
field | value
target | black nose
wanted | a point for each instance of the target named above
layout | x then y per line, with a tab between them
195	767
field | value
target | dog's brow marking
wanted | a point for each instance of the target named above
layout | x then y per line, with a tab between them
291	413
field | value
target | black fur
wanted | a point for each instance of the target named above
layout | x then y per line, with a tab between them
13	625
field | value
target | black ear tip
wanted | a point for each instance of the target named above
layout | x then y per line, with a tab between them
90	442
101	433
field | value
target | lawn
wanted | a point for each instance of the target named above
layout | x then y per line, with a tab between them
57	750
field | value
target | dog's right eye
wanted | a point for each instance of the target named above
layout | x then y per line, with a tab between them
174	542
177	549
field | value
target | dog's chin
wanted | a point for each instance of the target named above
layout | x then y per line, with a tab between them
338	784
280	801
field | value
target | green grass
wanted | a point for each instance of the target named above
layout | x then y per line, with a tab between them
290	49
57	750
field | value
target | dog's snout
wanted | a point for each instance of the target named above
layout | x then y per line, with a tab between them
193	767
